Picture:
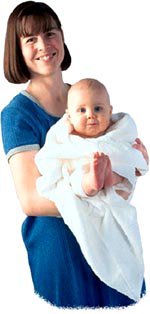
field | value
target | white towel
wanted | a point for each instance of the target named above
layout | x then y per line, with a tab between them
105	225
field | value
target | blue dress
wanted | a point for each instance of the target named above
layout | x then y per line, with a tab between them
59	271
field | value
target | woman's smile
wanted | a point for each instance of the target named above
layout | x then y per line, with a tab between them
46	57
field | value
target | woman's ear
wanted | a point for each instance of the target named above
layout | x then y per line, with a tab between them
62	34
111	109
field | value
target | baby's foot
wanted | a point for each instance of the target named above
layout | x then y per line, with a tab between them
97	170
94	179
108	174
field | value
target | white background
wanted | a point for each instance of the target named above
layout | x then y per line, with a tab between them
108	40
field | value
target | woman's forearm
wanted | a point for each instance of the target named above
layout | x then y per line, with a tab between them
25	175
35	205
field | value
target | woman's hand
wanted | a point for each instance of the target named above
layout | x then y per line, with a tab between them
140	146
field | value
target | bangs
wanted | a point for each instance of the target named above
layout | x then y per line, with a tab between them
34	24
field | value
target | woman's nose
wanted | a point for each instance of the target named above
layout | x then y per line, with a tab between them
41	44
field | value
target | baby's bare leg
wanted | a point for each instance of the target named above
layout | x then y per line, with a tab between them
94	179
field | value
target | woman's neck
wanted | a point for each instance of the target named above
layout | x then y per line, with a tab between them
50	92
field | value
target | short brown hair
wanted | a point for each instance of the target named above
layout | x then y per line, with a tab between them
15	69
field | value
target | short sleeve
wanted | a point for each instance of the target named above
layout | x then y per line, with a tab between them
19	131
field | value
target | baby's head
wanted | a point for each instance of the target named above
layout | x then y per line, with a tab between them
89	108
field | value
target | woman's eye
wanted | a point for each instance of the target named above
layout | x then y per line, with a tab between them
30	40
51	34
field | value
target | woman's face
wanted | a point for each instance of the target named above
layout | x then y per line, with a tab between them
43	53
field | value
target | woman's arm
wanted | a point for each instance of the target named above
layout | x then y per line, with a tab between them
25	174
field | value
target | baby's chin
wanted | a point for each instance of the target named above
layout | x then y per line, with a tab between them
87	134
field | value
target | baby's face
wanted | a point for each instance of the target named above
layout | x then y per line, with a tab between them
89	112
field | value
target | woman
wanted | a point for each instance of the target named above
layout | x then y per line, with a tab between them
35	51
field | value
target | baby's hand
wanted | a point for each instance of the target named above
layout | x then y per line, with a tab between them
67	122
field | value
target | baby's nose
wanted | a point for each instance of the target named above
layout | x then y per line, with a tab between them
90	114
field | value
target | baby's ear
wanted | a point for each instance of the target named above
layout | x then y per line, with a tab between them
68	122
67	113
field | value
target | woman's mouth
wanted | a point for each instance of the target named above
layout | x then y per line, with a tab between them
46	57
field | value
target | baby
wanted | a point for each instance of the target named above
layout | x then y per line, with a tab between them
89	113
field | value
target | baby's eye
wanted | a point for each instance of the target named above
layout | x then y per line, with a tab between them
97	108
82	110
